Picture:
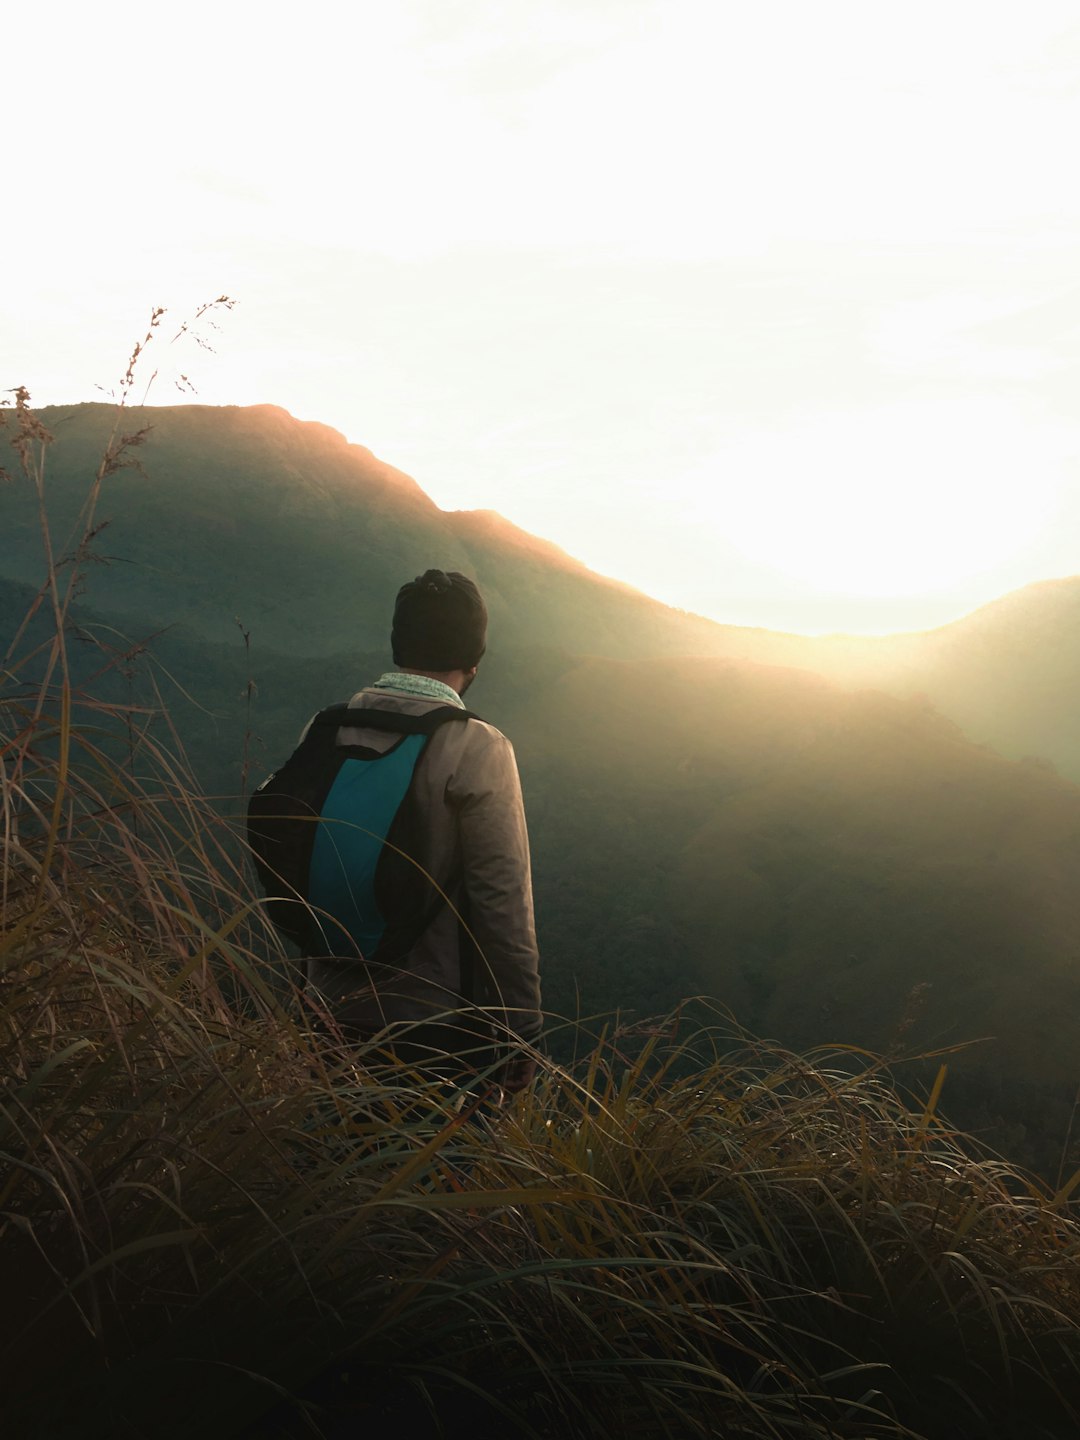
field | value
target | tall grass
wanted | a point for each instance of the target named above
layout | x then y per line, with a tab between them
216	1219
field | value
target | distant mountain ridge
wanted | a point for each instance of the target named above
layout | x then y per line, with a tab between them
249	513
1008	673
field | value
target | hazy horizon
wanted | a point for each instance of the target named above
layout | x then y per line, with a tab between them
770	313
930	614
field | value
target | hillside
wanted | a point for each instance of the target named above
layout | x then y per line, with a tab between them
832	866
1008	673
831	863
247	512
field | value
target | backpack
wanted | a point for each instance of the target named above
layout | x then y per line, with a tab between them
331	834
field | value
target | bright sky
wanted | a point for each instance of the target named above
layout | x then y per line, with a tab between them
770	309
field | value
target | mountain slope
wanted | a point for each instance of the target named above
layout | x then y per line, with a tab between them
831	866
247	512
241	512
1009	674
808	841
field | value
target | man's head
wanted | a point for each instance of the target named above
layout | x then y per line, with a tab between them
440	624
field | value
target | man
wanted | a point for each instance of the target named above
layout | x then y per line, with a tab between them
459	850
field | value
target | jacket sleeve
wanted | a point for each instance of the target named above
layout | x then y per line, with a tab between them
486	791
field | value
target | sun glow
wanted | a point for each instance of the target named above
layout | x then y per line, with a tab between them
750	306
895	501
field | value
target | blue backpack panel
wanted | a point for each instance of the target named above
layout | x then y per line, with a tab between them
332	835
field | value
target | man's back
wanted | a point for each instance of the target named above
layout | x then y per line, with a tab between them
462	829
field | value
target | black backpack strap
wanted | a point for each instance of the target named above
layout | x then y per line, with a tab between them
397	722
319	741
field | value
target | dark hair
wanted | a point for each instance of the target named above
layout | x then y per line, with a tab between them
440	622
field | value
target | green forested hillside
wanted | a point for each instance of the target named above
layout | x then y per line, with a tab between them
832	864
247	512
1008	673
244	511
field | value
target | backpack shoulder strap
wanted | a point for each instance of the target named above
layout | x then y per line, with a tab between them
397	722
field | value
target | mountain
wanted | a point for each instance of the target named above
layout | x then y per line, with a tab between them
830	865
246	512
713	810
1008	674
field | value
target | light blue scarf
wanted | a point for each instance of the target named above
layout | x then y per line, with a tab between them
422	686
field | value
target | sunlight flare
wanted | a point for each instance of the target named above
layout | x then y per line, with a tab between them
896	501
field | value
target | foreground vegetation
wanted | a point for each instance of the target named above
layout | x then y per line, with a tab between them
216	1220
